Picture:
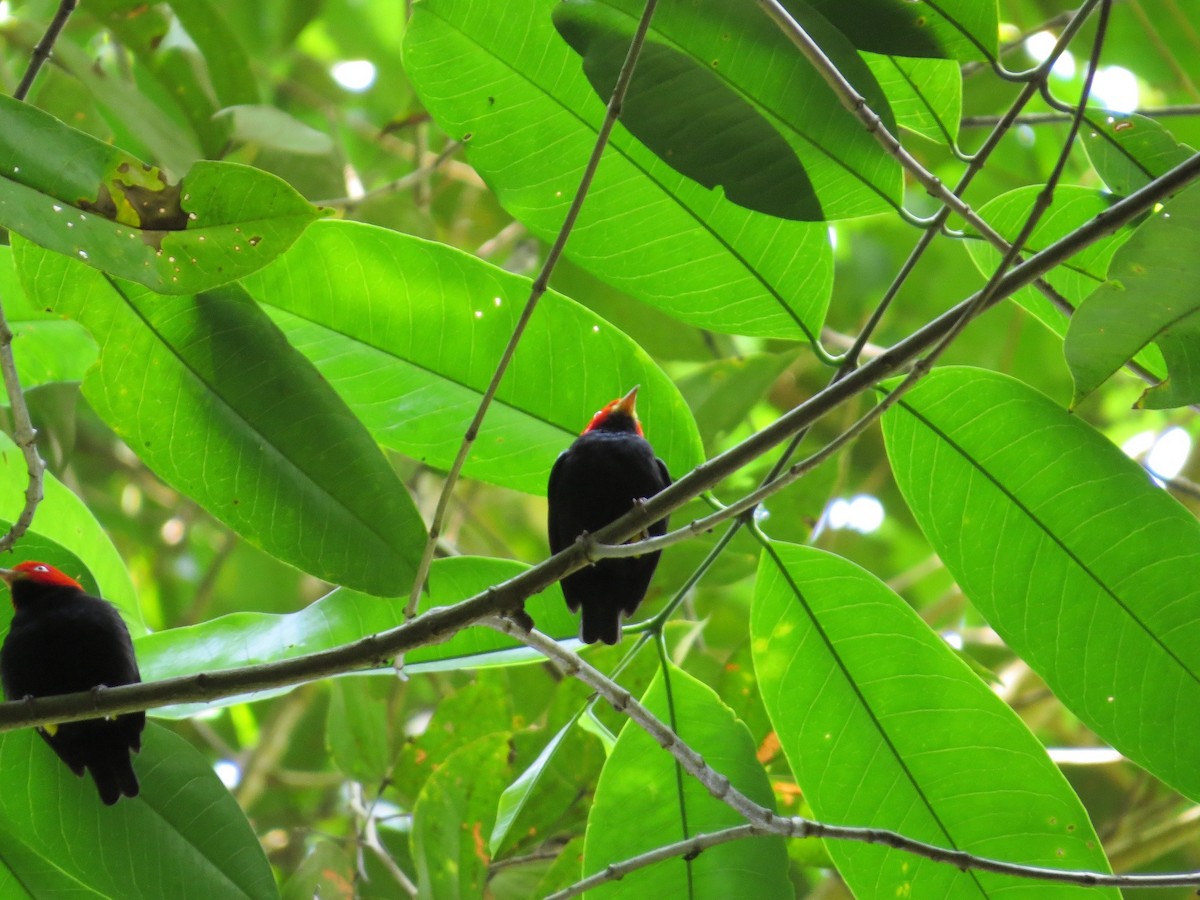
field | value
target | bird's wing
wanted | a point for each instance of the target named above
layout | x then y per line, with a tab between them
554	527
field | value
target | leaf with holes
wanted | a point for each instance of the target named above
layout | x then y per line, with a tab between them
221	221
1131	151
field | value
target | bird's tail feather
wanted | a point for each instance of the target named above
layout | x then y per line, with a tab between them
114	776
604	626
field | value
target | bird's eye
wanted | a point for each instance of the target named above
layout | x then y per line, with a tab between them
41	568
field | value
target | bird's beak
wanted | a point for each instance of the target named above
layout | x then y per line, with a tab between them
8	576
626	403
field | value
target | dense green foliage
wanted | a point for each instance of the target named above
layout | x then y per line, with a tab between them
262	261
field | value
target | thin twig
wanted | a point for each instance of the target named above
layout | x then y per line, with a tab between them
417	176
24	434
689	848
41	53
540	284
1049	118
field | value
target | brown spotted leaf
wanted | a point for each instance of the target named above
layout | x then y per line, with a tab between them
119	215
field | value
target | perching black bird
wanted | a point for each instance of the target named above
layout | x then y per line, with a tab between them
63	640
595	481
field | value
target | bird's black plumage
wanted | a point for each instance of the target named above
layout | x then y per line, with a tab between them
63	640
594	482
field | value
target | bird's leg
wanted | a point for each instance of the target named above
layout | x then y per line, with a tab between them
97	691
638	503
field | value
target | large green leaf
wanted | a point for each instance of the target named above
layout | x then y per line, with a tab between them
169	70
645	228
1083	566
925	94
207	391
642	804
689	117
1075	279
1150	296
342	617
119	215
453	816
884	726
183	837
409	332
953	29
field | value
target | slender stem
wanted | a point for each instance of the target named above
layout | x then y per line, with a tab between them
1053	118
417	176
41	52
540	284
23	431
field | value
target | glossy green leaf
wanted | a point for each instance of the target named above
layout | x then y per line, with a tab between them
692	120
46	349
227	62
214	365
63	520
183	837
638	804
170	72
1129	151
1075	279
119	215
356	729
343	616
266	126
925	94
358	301
645	228
885	727
553	793
517	795
1083	566
328	871
1150	296
722	393
1078	276
951	29
454	812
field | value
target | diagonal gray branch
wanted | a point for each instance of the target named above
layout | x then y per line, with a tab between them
439	624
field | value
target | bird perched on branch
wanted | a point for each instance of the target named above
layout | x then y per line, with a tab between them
599	478
63	640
